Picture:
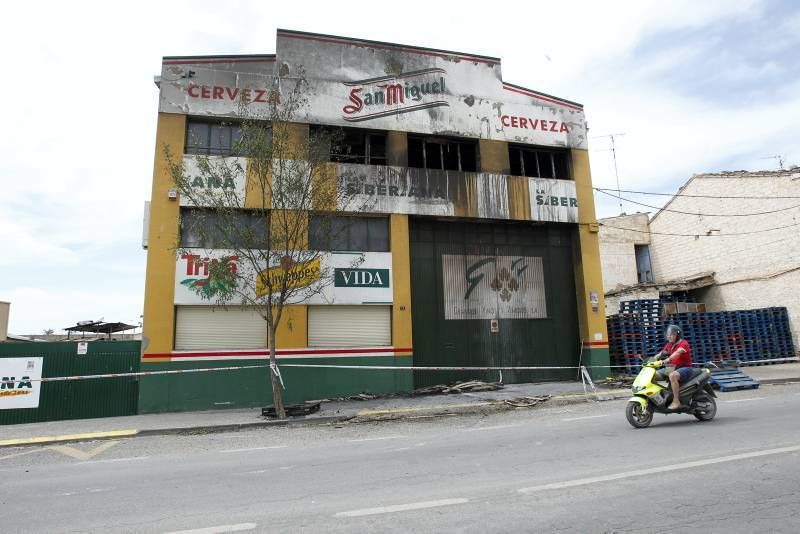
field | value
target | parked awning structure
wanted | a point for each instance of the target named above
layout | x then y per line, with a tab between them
99	327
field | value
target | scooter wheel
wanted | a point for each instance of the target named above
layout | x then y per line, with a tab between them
636	416
705	408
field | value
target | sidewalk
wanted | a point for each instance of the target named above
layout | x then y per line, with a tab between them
331	412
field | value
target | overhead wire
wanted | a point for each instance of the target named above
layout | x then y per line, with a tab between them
679	194
700	234
698	213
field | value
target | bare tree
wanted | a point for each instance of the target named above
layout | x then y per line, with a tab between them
263	209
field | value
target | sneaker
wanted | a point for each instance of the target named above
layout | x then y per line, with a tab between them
674	406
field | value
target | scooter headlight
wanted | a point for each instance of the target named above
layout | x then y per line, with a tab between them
637	389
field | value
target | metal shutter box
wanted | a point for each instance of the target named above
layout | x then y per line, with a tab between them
205	327
349	326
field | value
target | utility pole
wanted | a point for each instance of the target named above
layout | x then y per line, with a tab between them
614	156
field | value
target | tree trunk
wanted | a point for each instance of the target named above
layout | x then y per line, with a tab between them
277	391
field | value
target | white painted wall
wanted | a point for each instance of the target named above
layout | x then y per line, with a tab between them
617	255
752	271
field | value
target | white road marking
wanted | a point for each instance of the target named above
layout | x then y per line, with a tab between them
375	439
287	467
217	530
656	470
96	490
496	427
399	449
255	449
82	455
401	507
745	400
114	460
23	453
586	417
258	472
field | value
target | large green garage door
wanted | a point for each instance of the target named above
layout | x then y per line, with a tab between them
465	274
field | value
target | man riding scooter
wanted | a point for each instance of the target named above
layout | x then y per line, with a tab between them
676	352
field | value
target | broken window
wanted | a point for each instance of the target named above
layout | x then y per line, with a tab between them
349	145
440	153
539	163
212	138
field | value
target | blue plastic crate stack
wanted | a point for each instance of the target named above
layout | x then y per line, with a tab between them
625	342
742	335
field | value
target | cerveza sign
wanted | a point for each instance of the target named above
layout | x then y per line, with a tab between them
361	277
383	96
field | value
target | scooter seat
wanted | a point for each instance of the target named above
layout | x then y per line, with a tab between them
696	371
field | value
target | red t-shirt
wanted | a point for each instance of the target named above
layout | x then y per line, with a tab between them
682	360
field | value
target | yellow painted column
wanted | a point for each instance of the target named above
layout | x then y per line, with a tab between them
494	156
401	282
292	332
159	313
397	149
588	273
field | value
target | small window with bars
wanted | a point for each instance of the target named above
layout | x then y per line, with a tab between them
440	153
539	163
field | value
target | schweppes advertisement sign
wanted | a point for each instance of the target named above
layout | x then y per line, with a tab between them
296	276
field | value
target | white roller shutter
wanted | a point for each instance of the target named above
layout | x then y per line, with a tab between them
349	326
204	327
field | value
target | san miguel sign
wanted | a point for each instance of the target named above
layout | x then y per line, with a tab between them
383	96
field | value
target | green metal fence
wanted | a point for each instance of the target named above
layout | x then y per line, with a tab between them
78	399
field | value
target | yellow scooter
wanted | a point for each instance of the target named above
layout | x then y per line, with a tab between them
651	394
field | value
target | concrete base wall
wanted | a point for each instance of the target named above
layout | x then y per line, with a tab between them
251	387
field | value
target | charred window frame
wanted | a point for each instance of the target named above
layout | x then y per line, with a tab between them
209	228
212	138
342	233
539	163
349	145
428	152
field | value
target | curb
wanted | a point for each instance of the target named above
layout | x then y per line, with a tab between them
494	406
776	381
192	430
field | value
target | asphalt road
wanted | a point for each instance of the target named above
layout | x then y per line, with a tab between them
580	468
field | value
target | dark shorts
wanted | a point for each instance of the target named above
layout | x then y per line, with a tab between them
683	372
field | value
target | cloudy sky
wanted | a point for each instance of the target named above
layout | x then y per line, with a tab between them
694	86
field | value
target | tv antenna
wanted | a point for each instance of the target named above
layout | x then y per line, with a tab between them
614	156
778	157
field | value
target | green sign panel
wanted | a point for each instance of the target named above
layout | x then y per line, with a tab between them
361	277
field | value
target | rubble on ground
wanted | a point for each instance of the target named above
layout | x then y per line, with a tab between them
470	386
